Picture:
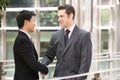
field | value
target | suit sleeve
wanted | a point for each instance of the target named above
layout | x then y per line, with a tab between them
51	52
27	52
86	56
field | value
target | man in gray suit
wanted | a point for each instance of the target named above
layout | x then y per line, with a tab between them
71	45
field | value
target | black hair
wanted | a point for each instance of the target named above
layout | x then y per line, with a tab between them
24	15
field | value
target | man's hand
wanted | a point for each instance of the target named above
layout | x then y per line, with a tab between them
43	75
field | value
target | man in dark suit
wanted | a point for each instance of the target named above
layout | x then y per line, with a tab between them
71	45
25	55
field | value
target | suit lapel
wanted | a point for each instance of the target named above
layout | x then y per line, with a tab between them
23	34
74	36
62	41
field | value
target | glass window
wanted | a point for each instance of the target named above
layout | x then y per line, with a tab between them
21	3
62	2
104	40
48	18
44	41
104	65
104	49
0	46
10	38
105	17
103	2
45	37
106	2
116	63
11	19
49	3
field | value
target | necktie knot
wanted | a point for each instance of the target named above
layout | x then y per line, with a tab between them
66	36
67	32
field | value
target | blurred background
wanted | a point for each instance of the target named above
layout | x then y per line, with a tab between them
100	17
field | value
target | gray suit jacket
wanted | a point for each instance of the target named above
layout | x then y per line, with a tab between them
74	58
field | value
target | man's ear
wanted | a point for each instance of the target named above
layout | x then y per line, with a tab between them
71	16
26	21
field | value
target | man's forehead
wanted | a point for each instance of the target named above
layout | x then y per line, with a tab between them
61	12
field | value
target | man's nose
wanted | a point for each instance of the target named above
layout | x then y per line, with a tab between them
59	19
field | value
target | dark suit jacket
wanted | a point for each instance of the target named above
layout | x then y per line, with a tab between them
75	58
26	59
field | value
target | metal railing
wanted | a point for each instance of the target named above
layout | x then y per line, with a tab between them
96	75
5	66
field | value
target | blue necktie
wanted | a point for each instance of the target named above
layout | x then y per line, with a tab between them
66	36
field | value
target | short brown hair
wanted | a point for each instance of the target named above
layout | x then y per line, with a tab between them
69	9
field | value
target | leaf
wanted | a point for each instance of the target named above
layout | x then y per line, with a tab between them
3	5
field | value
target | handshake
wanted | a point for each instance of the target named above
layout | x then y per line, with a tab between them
44	71
43	75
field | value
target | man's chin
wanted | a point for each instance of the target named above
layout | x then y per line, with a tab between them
32	31
62	26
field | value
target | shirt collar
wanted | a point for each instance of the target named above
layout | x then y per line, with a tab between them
71	28
26	33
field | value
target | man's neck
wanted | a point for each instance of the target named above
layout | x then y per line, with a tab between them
26	33
70	25
24	29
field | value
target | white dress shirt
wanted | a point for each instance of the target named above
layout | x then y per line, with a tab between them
71	30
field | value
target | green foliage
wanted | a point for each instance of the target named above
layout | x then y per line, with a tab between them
49	3
105	16
48	18
3	5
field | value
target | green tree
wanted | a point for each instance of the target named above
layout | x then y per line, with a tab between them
3	5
